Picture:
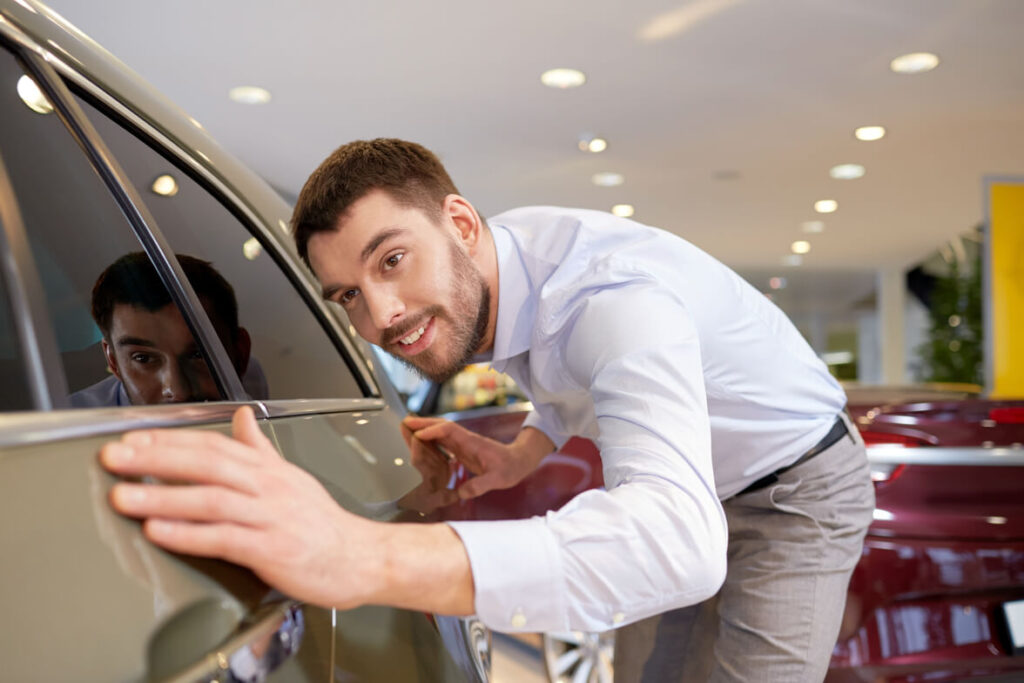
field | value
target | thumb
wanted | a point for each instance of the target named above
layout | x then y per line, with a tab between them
244	428
479	485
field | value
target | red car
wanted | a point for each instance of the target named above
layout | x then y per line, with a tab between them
939	591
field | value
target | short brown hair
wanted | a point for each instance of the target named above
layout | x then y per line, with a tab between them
410	173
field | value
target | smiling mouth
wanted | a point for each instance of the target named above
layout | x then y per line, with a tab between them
413	336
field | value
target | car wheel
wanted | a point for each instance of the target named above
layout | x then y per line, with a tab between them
579	657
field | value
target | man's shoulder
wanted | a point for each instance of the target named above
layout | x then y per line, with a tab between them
103	394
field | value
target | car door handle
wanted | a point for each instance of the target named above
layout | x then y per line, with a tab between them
256	649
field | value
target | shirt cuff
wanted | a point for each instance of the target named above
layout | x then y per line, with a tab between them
511	560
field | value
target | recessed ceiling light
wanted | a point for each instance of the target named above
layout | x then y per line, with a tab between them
800	247
869	133
591	144
826	205
813	226
563	78
914	63
165	186
251	249
249	94
623	210
777	283
846	171
608	179
792	260
32	96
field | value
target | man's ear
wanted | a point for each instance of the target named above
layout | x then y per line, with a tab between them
464	218
243	347
108	353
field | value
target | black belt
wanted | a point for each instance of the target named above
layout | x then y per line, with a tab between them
837	432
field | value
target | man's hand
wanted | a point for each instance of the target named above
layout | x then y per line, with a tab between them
247	505
495	464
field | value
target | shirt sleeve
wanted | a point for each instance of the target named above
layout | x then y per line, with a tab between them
656	538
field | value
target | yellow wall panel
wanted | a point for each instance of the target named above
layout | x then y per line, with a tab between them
1006	288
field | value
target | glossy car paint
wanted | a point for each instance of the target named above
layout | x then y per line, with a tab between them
85	596
945	551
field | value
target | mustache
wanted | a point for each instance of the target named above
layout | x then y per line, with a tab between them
399	331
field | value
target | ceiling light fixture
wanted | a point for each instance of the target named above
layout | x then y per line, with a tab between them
623	210
846	171
800	247
249	94
32	96
563	78
914	63
813	226
869	133
826	205
165	186
608	179
592	144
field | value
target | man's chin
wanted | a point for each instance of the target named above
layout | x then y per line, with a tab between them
429	371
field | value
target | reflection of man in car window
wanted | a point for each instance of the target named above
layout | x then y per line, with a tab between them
148	346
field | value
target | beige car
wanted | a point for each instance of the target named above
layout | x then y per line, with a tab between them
147	279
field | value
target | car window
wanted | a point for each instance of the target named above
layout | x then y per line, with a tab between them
289	353
76	232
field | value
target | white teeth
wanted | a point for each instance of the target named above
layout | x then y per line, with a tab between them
413	337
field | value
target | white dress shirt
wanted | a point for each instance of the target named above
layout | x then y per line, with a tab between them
689	381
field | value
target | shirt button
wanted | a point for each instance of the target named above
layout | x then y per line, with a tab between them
518	619
618	618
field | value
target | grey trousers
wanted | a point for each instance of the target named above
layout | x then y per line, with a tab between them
792	548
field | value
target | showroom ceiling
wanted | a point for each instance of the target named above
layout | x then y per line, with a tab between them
723	116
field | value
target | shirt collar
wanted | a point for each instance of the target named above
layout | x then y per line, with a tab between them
516	301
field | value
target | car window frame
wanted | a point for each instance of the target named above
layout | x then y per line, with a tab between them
154	245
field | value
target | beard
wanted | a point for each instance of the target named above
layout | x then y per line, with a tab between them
471	308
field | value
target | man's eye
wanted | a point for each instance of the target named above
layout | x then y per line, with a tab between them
347	296
392	261
142	358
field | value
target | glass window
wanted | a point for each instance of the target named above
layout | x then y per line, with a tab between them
15	394
280	348
145	352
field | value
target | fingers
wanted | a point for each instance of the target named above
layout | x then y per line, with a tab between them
197	465
477	486
245	429
190	503
225	541
415	422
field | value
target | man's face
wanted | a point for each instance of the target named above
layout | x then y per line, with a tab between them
156	358
406	282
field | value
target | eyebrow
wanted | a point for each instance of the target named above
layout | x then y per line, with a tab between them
134	341
371	246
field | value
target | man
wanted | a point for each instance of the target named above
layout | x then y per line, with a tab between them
148	346
692	385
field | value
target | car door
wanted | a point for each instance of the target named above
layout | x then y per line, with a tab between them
86	597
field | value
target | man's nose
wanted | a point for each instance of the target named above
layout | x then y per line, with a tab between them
386	308
175	387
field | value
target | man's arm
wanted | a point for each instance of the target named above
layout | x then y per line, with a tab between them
249	506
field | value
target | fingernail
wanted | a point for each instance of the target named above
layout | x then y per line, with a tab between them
117	454
138	438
